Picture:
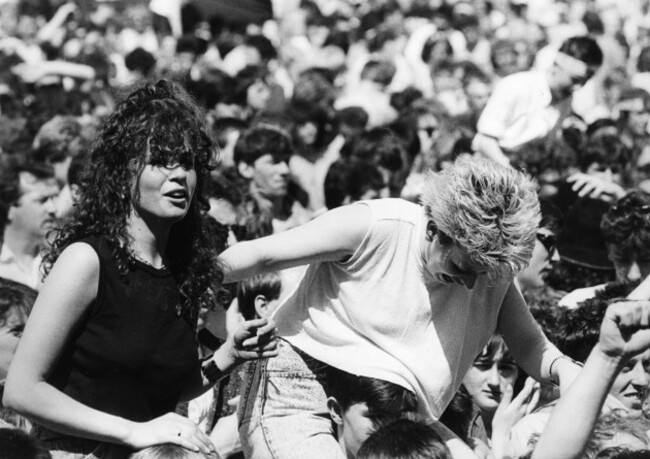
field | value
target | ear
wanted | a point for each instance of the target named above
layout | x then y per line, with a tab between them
431	230
245	170
10	214
336	413
261	304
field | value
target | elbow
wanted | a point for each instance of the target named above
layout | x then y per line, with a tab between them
15	396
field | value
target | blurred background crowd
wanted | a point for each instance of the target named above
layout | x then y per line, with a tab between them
317	104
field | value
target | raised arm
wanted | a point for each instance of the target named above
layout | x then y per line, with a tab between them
530	348
333	236
625	332
64	299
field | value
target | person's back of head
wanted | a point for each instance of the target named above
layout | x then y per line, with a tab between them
348	181
16	444
256	293
140	60
404	439
167	451
584	49
380	146
380	72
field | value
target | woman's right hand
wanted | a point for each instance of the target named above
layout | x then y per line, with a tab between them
169	428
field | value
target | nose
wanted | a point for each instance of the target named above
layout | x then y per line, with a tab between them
177	173
493	380
555	256
50	206
283	168
640	378
634	272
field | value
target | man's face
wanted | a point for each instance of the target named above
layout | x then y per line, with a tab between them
36	207
540	262
629	267
632	382
637	122
270	175
448	263
568	75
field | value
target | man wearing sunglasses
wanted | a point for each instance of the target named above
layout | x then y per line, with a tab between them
526	106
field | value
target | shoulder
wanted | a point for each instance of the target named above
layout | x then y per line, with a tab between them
391	209
80	257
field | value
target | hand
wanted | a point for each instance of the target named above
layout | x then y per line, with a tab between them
625	330
170	428
65	9
510	411
253	339
595	187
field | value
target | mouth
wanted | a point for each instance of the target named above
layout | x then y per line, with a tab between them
178	195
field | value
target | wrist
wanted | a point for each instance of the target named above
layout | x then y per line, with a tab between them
607	360
559	366
127	433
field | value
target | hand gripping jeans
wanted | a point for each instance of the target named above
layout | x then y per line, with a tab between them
283	413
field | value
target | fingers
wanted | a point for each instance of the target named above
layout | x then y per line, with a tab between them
534	399
630	314
187	434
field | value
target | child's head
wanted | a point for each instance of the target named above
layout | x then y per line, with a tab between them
359	405
258	296
404	439
169	451
16	444
16	302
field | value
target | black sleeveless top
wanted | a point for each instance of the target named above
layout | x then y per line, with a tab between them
131	354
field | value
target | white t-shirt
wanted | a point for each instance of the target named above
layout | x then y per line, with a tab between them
374	316
519	110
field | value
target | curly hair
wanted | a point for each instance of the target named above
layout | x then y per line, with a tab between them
489	210
159	124
626	224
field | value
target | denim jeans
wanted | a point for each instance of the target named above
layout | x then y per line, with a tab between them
283	413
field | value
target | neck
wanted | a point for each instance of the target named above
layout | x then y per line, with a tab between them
21	243
272	205
149	238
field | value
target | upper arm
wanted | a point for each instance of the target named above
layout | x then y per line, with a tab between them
65	296
332	236
495	117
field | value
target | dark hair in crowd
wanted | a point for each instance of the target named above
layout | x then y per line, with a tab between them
381	146
404	439
16	444
160	125
626	224
268	284
261	140
351	178
380	396
583	48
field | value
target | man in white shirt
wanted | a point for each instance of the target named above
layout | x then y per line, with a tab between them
525	106
27	208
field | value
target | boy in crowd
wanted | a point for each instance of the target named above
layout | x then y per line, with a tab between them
359	405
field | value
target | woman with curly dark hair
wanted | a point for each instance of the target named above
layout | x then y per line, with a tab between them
110	347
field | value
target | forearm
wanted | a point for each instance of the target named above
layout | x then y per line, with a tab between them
70	69
213	369
49	407
563	437
489	147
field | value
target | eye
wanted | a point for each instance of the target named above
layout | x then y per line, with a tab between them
17	330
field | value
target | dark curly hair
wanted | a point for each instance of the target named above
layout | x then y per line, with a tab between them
158	124
626	224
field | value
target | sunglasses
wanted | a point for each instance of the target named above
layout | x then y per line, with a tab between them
549	243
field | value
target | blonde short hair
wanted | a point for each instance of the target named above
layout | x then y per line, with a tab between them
490	210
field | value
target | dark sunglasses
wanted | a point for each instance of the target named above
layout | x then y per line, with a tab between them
549	243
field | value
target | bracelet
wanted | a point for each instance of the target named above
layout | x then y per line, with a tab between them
550	368
211	371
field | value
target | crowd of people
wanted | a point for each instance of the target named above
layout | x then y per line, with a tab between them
325	228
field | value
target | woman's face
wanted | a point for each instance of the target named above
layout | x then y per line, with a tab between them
488	378
165	192
10	333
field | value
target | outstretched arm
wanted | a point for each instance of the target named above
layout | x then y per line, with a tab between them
625	332
333	236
